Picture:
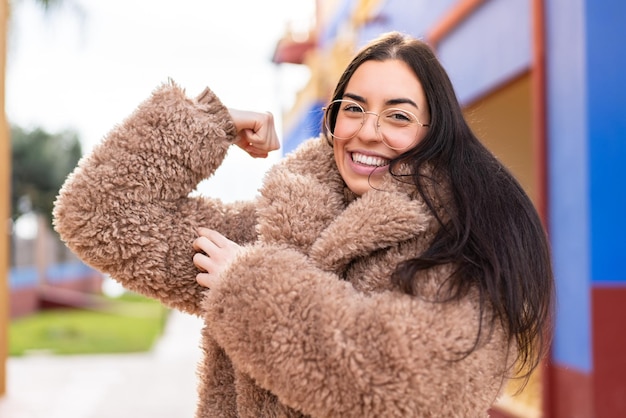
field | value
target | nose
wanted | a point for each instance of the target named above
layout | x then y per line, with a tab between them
370	128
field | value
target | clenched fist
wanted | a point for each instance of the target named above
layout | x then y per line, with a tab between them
256	133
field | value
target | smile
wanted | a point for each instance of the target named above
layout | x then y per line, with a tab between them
369	160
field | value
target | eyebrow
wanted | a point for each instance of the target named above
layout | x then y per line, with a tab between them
390	102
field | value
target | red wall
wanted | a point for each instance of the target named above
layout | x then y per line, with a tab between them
609	358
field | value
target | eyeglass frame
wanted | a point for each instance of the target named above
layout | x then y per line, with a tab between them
326	120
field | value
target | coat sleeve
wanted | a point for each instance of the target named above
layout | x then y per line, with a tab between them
328	350
126	209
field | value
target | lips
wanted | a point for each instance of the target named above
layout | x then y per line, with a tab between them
369	160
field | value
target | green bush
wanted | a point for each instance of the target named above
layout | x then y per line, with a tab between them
129	324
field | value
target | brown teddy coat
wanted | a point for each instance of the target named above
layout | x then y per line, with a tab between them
306	321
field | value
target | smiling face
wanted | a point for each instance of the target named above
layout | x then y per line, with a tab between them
377	86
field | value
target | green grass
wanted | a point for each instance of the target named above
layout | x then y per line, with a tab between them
128	324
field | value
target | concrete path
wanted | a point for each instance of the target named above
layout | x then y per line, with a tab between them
158	384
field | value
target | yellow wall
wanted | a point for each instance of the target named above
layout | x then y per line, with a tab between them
503	121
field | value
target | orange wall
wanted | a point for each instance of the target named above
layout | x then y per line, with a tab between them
503	121
4	203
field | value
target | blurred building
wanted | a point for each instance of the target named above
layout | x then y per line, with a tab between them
543	83
44	273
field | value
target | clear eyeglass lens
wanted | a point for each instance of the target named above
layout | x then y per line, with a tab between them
398	128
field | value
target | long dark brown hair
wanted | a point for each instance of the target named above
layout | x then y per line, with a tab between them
490	230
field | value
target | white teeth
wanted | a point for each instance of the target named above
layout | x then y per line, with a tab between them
369	160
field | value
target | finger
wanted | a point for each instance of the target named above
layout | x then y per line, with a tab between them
252	151
263	127
270	135
205	244
264	148
206	280
215	237
270	144
245	120
203	262
253	141
196	245
255	153
255	150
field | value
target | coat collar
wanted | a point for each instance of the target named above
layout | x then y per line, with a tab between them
306	204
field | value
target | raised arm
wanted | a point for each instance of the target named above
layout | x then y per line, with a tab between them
126	209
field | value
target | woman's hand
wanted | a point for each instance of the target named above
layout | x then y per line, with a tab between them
215	252
256	133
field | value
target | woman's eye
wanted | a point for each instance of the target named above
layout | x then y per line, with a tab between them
400	117
353	109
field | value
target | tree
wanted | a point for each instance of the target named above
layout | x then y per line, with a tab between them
40	163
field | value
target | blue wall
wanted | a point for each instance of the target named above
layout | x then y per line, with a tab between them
568	173
606	113
414	17
308	125
489	49
28	277
587	157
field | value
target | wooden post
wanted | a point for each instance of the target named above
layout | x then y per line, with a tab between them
5	175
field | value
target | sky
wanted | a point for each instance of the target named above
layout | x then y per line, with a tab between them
87	64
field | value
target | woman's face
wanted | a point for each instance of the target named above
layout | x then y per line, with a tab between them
378	86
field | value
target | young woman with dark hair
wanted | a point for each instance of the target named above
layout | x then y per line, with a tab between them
391	267
492	232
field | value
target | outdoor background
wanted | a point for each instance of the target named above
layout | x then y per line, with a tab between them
541	82
86	64
82	66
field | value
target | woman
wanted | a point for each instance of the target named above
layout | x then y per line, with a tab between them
392	267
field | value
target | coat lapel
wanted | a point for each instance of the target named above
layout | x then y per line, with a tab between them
304	205
300	197
378	219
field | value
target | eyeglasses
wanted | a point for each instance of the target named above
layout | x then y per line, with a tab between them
398	128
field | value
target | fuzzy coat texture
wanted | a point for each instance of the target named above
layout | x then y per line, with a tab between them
306	321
